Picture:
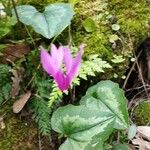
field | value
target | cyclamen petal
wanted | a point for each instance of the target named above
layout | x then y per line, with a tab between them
76	64
67	59
52	65
62	81
57	55
47	62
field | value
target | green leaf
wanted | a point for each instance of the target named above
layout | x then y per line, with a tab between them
95	144
113	38
93	65
5	25
51	22
109	97
115	27
79	145
2	46
121	147
89	25
4	31
88	125
118	59
80	125
132	131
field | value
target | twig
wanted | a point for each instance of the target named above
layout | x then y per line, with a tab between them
132	100
40	143
72	95
139	69
132	68
52	143
28	32
136	88
14	6
17	16
141	76
70	37
118	137
32	77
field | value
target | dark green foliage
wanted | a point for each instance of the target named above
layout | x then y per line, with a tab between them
41	114
5	90
4	74
88	125
5	84
42	86
6	25
39	103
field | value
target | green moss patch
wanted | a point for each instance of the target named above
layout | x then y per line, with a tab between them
18	134
141	114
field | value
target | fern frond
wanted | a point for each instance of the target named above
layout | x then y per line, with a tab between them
55	95
5	82
93	65
41	114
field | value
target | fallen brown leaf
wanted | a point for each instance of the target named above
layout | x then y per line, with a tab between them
144	132
17	77
131	147
141	144
13	52
19	104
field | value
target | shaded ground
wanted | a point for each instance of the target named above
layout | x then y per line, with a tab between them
19	133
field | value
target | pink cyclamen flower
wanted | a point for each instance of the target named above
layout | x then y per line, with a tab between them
52	64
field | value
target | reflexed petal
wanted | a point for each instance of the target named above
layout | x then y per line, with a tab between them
62	81
57	55
52	64
76	64
47	62
67	59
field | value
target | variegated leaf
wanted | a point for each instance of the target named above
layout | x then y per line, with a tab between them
108	96
88	125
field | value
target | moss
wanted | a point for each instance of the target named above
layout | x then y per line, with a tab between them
141	113
97	41
132	16
17	134
38	4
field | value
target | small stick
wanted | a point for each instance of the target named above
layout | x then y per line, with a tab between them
40	143
14	6
132	68
141	76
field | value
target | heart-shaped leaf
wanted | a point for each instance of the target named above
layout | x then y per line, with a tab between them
80	124
88	125
110	97
89	25
51	22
